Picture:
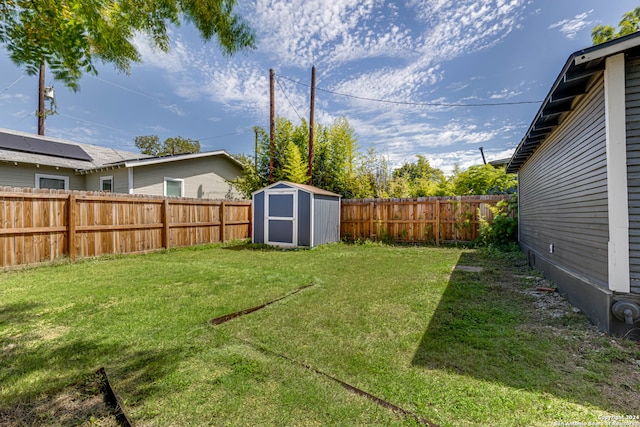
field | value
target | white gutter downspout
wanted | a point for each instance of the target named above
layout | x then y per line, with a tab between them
615	112
130	170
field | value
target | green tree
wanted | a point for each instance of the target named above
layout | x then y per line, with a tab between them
336	153
295	169
418	179
251	180
371	176
629	24
335	161
71	35
151	145
484	179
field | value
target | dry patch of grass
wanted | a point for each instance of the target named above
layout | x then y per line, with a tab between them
77	405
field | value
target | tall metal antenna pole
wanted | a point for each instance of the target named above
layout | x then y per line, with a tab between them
483	159
311	122
272	123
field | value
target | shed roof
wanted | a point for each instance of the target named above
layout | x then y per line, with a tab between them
305	187
571	83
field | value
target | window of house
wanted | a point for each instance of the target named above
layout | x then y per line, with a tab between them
173	187
106	183
56	182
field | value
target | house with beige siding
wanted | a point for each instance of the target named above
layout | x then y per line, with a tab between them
33	161
578	171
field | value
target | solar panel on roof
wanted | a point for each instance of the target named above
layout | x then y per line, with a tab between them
39	146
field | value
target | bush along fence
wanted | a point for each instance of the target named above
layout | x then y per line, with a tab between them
421	220
45	225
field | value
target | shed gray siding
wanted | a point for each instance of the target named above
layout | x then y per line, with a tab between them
563	192
304	218
258	217
633	168
326	226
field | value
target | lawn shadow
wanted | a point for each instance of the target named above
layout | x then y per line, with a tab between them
248	246
47	375
482	328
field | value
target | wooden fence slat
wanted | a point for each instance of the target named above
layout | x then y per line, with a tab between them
223	227
71	224
165	224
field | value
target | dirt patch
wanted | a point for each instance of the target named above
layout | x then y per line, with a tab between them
611	363
78	405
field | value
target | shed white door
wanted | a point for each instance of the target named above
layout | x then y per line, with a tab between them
281	223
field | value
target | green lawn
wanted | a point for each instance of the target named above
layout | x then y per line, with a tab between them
454	347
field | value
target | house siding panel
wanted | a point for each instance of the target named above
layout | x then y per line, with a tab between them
199	180
120	180
24	175
563	192
632	99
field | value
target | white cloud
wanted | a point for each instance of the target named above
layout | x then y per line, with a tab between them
570	27
364	48
505	94
301	32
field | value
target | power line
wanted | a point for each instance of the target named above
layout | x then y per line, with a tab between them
130	90
12	84
226	134
94	123
290	103
417	104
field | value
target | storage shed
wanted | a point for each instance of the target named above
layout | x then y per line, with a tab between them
289	215
578	171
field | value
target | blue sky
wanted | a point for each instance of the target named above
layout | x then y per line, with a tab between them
410	59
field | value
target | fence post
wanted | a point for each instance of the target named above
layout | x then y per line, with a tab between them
223	225
437	218
165	223
371	210
71	227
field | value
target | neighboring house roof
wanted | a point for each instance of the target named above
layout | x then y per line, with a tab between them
500	163
307	188
571	83
35	149
83	158
164	159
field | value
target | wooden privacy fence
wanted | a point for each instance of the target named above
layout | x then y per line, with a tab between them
43	225
421	220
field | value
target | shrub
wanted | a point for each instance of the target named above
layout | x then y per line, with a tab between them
503	230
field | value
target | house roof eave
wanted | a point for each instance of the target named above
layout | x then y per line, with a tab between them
570	84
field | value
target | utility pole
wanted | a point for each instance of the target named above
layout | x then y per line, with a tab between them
272	123
41	111
311	122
